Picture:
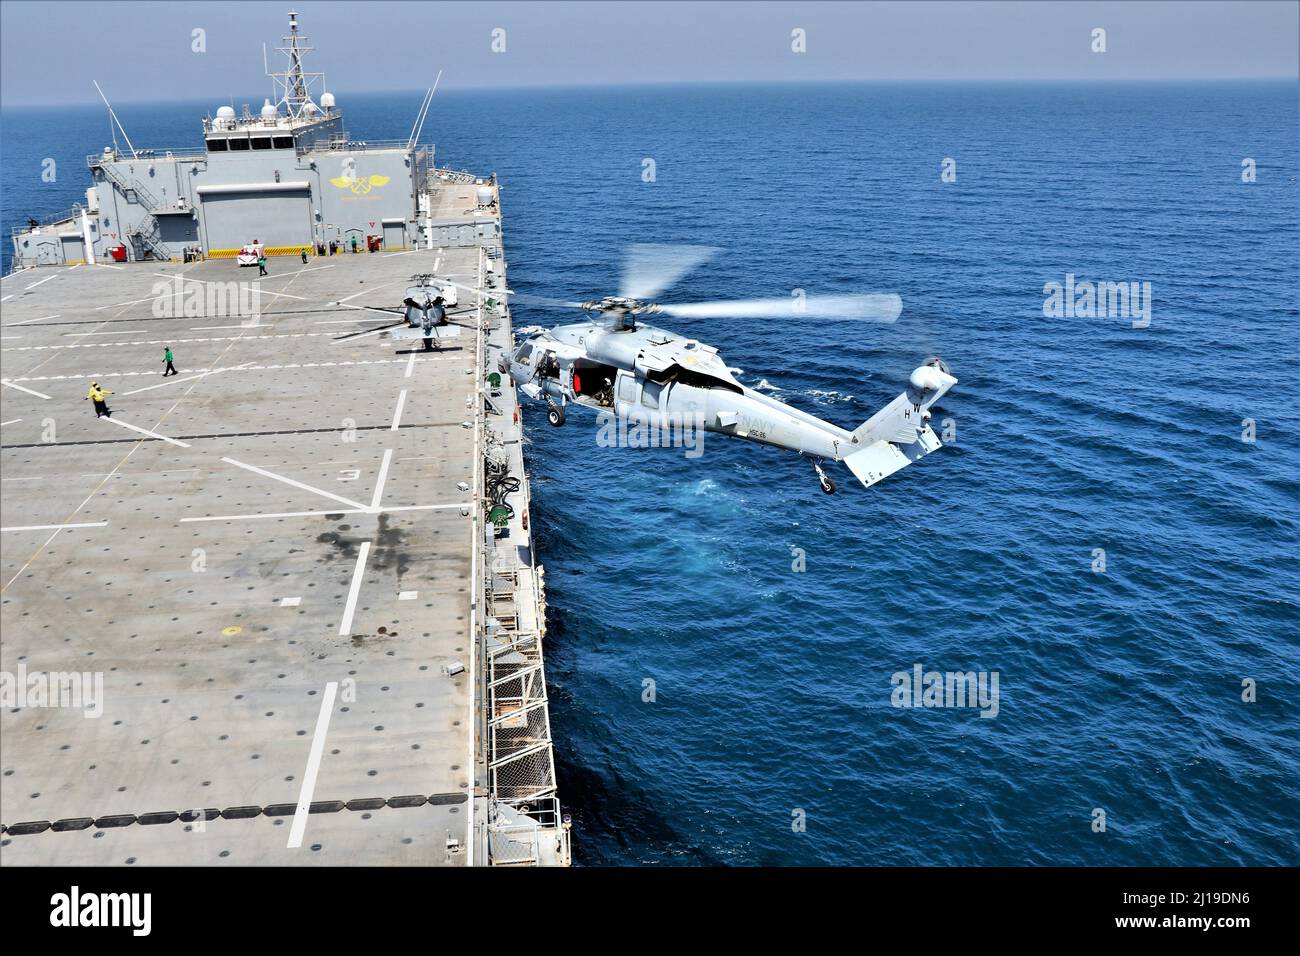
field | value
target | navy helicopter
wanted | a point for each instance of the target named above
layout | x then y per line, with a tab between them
611	362
426	305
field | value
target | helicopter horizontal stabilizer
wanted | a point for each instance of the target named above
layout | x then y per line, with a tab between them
882	458
437	332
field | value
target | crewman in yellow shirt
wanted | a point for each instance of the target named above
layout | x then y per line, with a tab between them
100	397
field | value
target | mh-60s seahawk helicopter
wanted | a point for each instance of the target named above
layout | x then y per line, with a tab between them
610	362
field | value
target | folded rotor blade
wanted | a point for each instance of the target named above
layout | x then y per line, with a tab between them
876	307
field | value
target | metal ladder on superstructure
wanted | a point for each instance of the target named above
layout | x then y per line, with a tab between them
145	235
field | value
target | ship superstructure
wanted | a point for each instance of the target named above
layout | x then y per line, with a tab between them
287	176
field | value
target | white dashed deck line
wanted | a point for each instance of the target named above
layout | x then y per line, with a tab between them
123	332
407	595
207	338
8	297
313	767
410	366
290	601
12	421
229	368
41	282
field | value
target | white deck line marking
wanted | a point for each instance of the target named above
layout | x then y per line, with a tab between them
279	514
51	527
458	504
410	366
437	262
29	321
397	412
212	328
91	376
175	381
364	291
11	421
14	275
383	476
124	332
313	766
297	484
345	625
145	431
290	601
407	595
8	297
105	265
42	281
5	381
406	253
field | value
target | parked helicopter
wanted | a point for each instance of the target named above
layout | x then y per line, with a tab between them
426	305
650	375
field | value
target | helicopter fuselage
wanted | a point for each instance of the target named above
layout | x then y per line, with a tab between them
650	375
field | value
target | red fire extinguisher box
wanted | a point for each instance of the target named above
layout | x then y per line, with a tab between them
118	253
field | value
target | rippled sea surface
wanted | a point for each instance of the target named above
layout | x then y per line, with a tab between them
1118	690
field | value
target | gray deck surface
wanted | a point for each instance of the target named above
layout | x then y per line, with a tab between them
216	638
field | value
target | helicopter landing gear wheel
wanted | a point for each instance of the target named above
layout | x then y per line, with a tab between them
555	415
828	486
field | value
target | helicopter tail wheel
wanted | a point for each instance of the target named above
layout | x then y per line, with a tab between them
824	479
555	415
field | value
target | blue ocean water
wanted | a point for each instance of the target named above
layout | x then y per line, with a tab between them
1119	691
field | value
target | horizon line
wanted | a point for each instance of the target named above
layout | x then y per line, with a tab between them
683	84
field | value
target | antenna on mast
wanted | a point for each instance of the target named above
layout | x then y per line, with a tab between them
418	128
113	116
292	87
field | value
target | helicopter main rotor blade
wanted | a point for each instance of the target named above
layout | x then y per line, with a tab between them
876	307
649	268
514	296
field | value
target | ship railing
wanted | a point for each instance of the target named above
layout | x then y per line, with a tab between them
528	833
461	176
345	144
95	160
56	219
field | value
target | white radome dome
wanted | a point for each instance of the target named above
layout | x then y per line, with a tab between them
269	112
327	100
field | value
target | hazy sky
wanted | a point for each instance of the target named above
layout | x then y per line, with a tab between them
49	52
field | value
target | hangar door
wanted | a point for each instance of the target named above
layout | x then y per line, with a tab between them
274	219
